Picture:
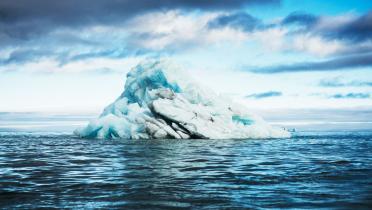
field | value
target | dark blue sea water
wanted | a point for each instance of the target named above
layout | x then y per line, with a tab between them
330	170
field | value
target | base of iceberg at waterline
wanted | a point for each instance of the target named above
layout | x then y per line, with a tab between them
160	101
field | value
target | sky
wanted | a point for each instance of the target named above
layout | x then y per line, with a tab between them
72	56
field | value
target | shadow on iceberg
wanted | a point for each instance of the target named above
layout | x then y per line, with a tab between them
160	101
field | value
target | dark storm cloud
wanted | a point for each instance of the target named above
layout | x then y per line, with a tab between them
351	96
337	83
238	20
265	95
300	18
23	18
341	63
356	30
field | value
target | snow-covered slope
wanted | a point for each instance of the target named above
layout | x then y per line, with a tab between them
160	101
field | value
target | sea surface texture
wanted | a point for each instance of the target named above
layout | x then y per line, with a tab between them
331	170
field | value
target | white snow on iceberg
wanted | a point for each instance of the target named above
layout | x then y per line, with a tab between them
160	101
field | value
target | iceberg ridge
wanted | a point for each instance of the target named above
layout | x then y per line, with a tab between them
160	101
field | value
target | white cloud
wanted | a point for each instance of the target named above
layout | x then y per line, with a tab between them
272	39
316	45
174	30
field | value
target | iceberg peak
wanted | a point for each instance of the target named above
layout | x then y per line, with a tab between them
161	101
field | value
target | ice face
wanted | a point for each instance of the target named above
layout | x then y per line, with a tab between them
161	101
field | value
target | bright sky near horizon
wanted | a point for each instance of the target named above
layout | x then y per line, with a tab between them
72	56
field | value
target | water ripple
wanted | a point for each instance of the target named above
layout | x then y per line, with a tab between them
311	170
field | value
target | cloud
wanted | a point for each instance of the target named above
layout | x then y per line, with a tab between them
317	35
25	55
341	63
300	18
348	27
22	56
23	19
332	35
339	35
351	96
356	30
312	34
106	53
70	31
265	95
315	45
238	20
96	66
174	30
336	82
152	34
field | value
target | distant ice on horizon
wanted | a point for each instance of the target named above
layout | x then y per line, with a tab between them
161	101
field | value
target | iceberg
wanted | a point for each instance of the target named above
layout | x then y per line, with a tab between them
160	101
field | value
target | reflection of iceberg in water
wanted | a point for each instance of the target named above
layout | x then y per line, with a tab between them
160	101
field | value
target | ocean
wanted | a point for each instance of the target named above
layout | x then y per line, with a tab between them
44	166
